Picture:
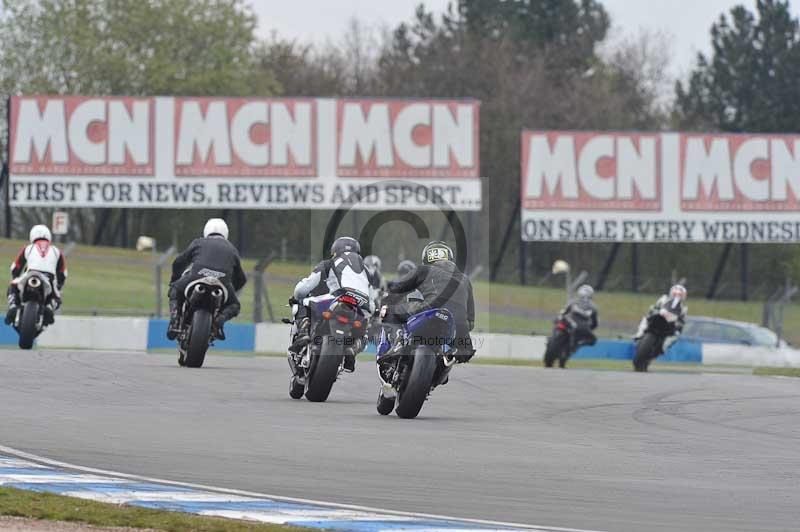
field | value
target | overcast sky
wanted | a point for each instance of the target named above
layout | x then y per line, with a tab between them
686	22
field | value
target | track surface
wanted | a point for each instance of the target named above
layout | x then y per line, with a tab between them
583	449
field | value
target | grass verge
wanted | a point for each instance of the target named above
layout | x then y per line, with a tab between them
780	372
35	505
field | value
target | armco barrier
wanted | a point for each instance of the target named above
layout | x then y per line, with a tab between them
80	332
239	337
140	334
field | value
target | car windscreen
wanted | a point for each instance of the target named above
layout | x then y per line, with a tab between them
763	337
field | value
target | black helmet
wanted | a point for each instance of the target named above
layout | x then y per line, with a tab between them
345	244
405	267
436	251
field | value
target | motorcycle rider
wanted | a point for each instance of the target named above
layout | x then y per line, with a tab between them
583	312
344	269
41	256
215	253
434	278
670	302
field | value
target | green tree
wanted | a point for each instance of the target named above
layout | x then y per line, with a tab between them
532	65
133	47
750	81
128	47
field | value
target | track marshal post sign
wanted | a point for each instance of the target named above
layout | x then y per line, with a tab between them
660	187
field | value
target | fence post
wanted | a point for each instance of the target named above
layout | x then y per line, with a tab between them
158	267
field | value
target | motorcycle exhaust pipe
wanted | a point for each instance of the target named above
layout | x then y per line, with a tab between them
217	292
200	289
34	282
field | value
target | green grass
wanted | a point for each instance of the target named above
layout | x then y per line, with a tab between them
119	281
781	372
21	503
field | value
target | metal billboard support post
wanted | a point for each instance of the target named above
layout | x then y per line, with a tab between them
260	292
504	244
6	174
612	256
158	267
744	269
723	260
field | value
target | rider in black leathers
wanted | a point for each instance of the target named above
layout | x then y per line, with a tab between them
216	254
442	285
583	312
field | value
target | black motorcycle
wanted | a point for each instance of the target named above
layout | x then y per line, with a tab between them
205	297
412	360
660	326
36	293
337	328
567	337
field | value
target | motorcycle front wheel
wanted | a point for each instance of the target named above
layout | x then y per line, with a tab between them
418	383
554	349
199	335
27	324
644	352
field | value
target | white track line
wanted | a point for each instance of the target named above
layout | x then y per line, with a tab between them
55	463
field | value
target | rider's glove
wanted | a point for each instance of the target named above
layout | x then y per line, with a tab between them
293	301
471	325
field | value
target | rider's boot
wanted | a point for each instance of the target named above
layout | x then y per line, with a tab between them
174	318
301	338
219	328
49	313
13	306
349	364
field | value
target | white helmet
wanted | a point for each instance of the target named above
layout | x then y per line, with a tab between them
678	291
216	226
40	232
585	292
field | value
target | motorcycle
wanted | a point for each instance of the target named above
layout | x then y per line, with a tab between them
338	323
566	339
204	298
412	360
660	326
36	293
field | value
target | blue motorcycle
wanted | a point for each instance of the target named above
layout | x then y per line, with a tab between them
413	358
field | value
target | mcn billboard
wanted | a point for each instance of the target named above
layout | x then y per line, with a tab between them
668	187
244	153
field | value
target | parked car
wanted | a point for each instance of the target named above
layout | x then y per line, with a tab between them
719	331
738	342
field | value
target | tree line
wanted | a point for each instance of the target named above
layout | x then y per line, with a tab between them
548	64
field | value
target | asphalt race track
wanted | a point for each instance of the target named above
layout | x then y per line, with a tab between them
583	449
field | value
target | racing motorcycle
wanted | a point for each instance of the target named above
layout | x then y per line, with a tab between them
412	360
204	298
660	326
337	323
565	340
36	293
